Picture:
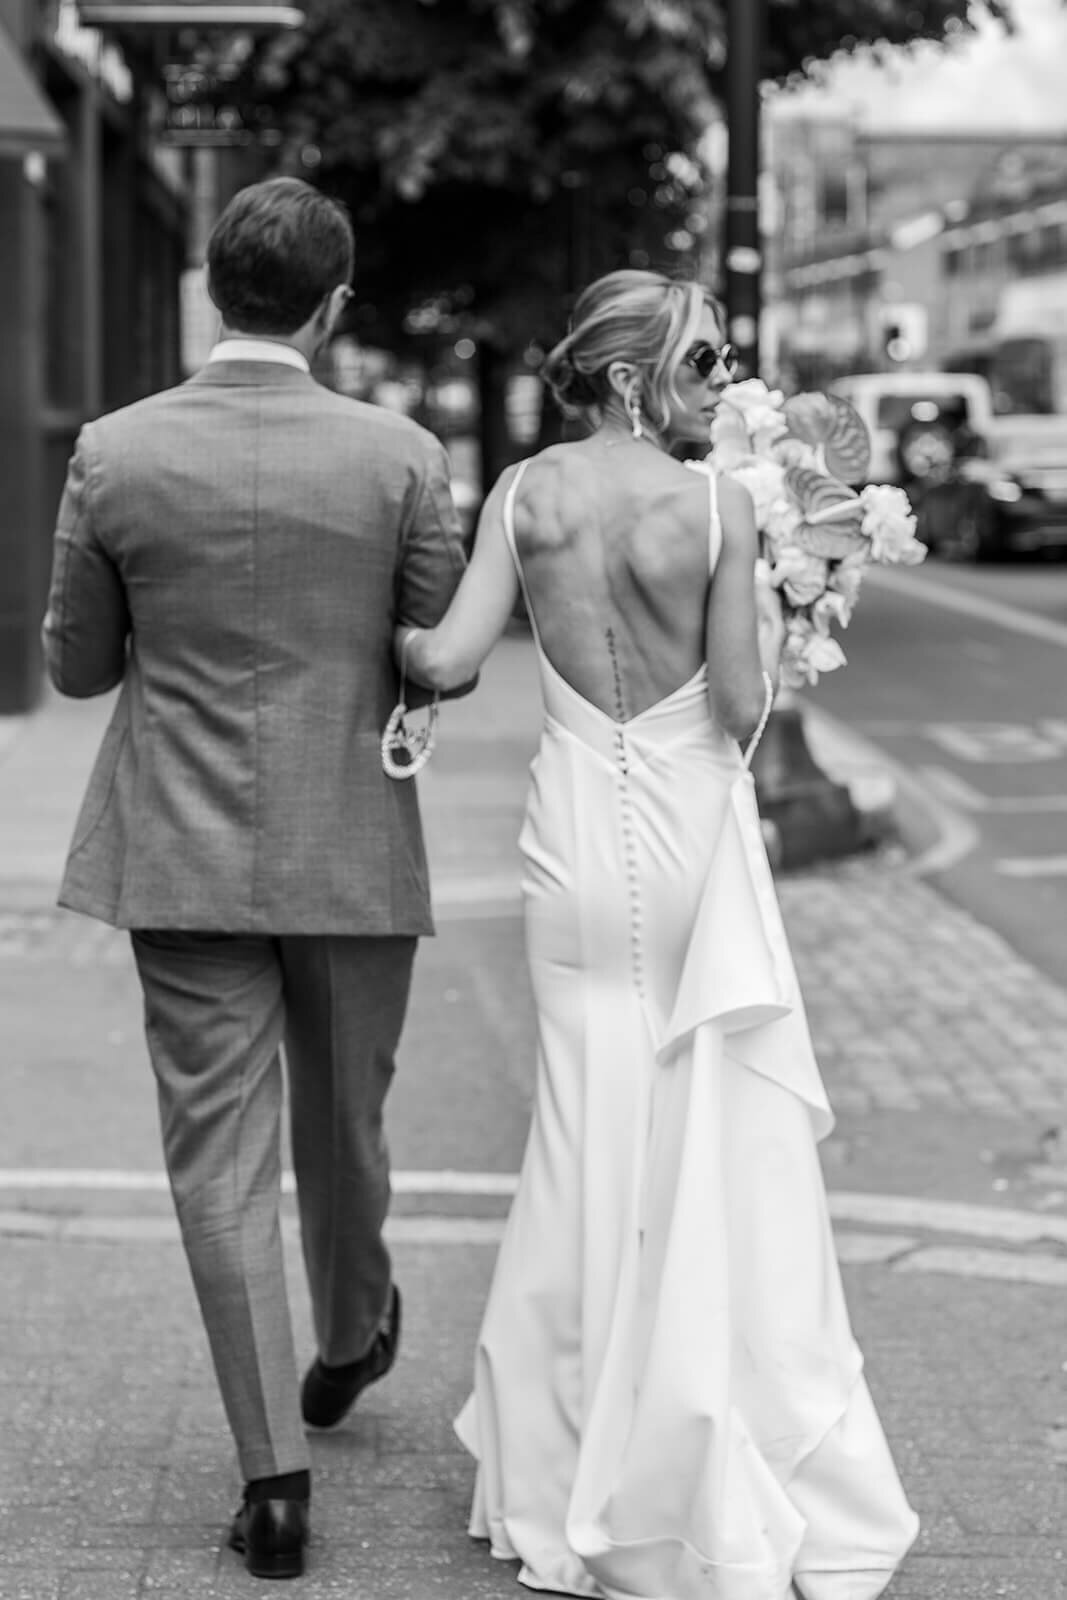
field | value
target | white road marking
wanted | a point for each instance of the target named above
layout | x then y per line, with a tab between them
898	1252
164	1229
1032	866
948	1216
72	1178
1010	617
958	792
869	1209
972	1262
449	1182
999	743
953	789
444	1182
871	1249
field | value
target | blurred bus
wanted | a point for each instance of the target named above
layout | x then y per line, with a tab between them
1027	355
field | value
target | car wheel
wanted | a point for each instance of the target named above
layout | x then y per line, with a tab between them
936	520
975	532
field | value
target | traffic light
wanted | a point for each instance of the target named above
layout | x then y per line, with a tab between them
895	343
903	329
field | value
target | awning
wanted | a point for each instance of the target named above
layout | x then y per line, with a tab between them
190	14
27	120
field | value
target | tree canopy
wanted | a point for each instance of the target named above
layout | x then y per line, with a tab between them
496	152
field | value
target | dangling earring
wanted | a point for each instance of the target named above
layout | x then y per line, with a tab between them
633	411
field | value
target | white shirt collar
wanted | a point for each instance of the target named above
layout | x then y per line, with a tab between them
259	350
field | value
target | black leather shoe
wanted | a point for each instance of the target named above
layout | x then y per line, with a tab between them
329	1393
271	1535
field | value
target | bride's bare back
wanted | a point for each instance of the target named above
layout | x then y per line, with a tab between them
614	546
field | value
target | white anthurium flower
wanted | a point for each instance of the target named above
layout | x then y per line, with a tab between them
765	481
847	575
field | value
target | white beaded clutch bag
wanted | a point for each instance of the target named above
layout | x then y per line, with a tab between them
405	751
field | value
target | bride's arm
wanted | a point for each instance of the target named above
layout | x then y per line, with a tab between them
744	622
451	654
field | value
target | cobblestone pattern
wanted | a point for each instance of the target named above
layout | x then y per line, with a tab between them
914	1004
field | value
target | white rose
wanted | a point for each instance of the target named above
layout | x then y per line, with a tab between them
846	575
784	517
765	427
729	438
765	482
730	453
796	453
801	577
823	655
759	409
753	392
807	654
889	523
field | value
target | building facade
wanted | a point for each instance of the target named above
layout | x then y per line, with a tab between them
895	248
92	246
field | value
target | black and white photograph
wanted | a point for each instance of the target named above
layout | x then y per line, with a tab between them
533	799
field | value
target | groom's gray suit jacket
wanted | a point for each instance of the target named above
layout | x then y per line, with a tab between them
235	552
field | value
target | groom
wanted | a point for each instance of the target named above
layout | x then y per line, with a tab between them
234	553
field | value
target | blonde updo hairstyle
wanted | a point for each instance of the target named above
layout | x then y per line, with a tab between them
643	318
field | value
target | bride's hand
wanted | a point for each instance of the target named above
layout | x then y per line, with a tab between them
403	635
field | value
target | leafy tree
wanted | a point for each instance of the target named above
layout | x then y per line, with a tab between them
495	154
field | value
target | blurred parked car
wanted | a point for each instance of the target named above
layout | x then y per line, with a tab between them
982	485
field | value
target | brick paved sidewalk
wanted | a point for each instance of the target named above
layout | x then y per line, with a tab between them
116	1474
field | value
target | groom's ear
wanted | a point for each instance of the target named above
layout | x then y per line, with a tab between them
333	306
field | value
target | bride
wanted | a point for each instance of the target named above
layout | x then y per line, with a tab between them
668	1401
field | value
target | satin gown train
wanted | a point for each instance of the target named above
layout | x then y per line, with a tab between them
668	1401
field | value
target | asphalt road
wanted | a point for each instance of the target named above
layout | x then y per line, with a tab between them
960	674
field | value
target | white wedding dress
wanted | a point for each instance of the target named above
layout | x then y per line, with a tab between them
668	1400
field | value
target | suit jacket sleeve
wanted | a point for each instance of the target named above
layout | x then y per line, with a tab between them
87	623
433	559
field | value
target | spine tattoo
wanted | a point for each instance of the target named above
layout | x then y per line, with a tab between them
620	700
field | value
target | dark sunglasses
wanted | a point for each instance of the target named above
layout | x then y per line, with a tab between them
704	358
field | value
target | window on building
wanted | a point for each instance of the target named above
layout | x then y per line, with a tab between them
64	318
833	198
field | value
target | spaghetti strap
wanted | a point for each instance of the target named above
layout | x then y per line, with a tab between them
509	534
509	511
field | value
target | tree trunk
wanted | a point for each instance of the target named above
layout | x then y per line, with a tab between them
494	434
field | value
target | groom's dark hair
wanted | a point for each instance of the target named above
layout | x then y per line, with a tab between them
274	254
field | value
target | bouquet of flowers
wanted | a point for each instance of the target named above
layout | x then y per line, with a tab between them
799	459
